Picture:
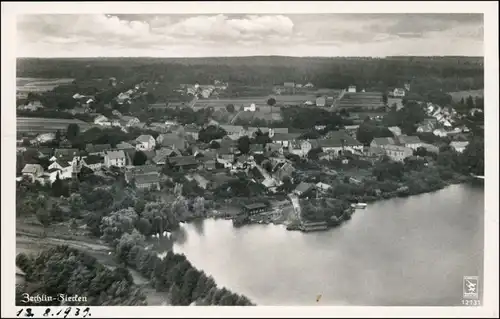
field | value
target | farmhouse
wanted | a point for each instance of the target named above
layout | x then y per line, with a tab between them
398	92
337	142
145	143
32	171
284	138
351	89
250	108
171	140
115	158
146	181
459	146
321	101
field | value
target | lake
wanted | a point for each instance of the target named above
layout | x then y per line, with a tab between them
399	252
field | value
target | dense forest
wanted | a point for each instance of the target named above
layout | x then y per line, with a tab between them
424	73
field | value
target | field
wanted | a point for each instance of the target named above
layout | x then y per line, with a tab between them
260	101
457	96
39	84
46	125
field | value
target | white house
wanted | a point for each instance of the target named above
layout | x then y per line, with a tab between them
250	108
323	186
459	146
33	171
102	120
440	132
145	143
115	158
65	169
398	92
351	89
321	101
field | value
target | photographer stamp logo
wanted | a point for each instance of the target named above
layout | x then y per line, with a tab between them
471	287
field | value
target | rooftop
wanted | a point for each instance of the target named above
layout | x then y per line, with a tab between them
115	154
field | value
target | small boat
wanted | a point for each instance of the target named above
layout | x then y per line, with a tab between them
359	205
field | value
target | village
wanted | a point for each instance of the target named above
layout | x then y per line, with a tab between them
266	156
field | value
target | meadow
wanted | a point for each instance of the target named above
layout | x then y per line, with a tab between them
39	84
43	125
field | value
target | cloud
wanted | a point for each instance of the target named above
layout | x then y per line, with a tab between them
230	34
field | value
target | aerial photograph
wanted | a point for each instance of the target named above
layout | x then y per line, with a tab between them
249	159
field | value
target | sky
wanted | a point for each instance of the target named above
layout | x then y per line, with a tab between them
176	35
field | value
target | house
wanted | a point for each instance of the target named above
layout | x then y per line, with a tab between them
102	120
94	162
64	153
395	130
412	142
309	85
97	149
398	153
325	156
398	92
171	140
145	143
323	187
183	162
162	154
250	108
321	101
382	142
254	208
337	142
65	169
147	181
459	146
232	130
302	148
115	158
440	132
289	84
284	138
303	189
351	89
45	137
32	171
